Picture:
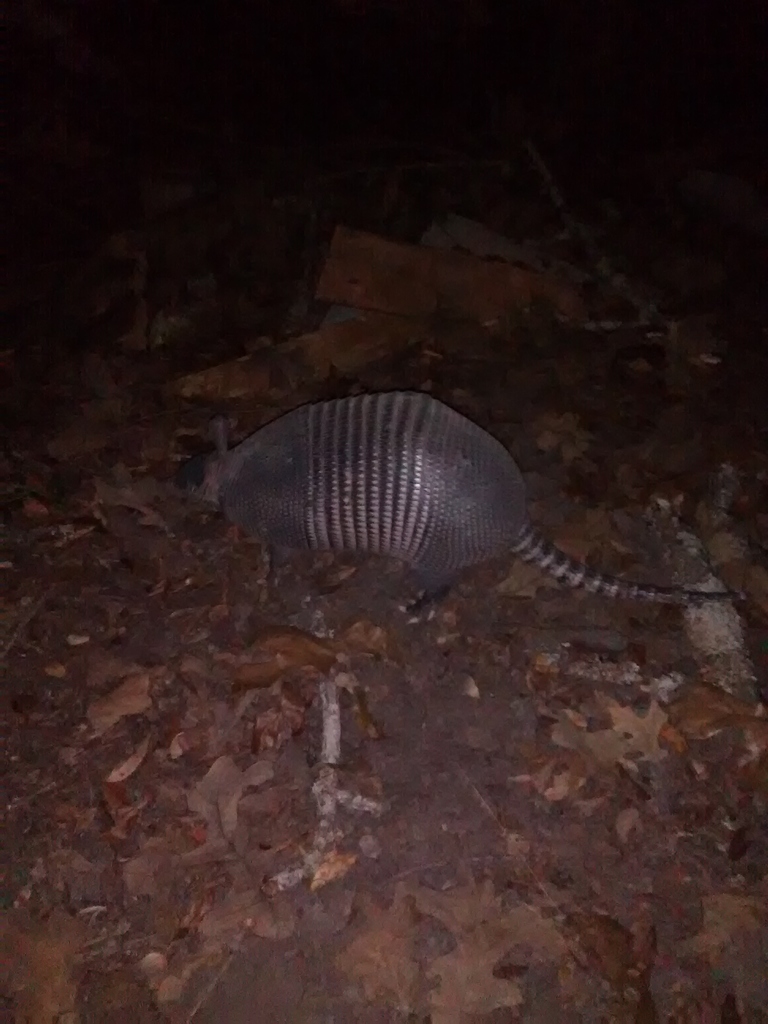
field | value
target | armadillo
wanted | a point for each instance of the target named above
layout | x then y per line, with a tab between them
396	473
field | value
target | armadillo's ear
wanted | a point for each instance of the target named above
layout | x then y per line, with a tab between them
219	431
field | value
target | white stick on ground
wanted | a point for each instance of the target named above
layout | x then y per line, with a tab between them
714	630
328	796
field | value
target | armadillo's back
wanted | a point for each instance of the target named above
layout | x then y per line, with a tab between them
397	473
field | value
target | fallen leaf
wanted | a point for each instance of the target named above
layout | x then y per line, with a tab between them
81	437
631	734
170	990
129	766
226	923
641	732
105	668
333	866
38	963
484	934
470	688
591	531
287	647
258	675
382	957
627	821
275	726
725	916
130	698
82	879
33	508
216	796
563	432
673	738
705	710
141	873
608	946
523	580
135	495
369	638
243	377
297	647
123	811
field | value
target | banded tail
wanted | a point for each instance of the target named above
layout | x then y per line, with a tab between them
533	547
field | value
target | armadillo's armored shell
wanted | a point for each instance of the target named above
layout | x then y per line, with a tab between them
395	474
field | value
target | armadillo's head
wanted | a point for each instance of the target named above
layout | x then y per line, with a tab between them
202	475
198	476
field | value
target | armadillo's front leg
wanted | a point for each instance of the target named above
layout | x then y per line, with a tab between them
435	588
428	599
278	556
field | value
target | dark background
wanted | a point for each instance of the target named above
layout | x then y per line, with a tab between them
595	81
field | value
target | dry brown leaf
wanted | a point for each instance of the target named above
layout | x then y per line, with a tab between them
524	580
704	710
558	777
369	638
244	377
37	964
82	878
336	574
563	432
630	735
258	675
129	766
245	912
33	508
641	732
382	957
136	496
726	549
297	647
132	697
216	796
146	872
608	946
105	668
484	933
288	648
170	990
627	821
673	738
592	530
725	916
89	433
334	865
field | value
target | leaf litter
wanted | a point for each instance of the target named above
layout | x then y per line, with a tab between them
170	804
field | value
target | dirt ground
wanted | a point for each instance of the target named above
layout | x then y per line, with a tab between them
547	806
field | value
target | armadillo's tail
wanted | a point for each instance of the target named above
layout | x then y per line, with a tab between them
531	546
